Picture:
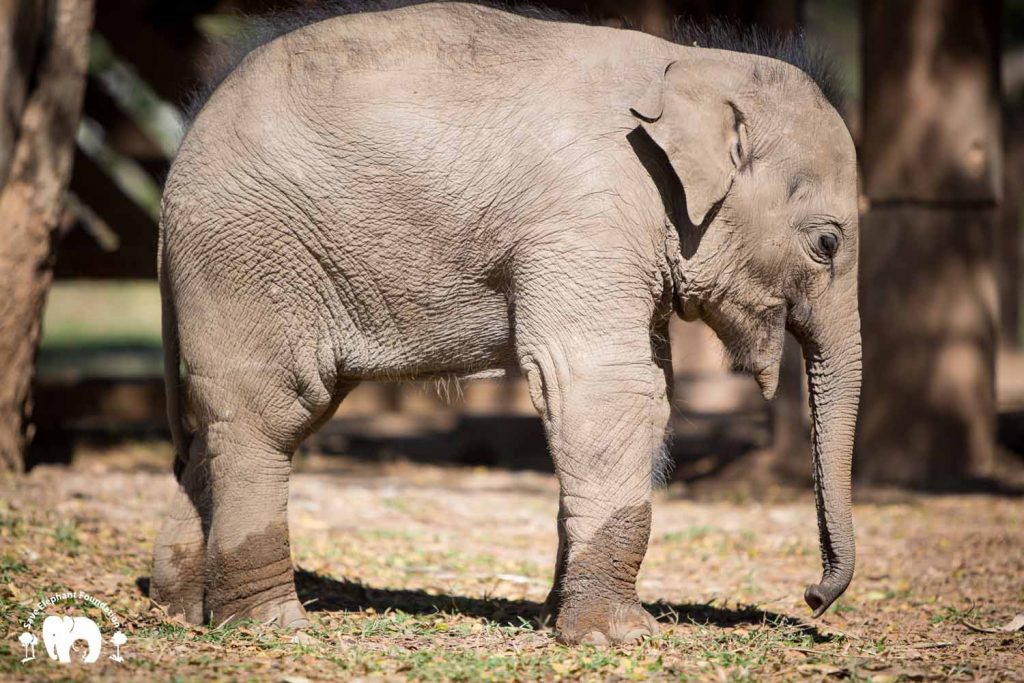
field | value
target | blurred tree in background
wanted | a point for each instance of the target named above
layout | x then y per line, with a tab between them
43	53
931	161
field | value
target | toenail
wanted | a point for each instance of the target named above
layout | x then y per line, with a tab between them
594	638
635	635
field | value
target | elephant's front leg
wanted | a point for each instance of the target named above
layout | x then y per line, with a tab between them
605	410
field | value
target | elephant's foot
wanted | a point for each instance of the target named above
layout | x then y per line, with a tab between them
287	614
254	580
603	622
272	609
596	592
178	579
549	610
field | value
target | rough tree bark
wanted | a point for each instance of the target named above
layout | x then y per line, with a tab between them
932	173
43	58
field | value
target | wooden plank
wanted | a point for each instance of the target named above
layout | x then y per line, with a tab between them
120	132
80	256
159	39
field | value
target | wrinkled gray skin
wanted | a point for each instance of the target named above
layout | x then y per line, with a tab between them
447	190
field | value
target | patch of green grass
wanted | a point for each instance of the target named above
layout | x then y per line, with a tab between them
951	614
12	611
165	631
12	526
388	535
66	535
842	607
10	660
10	566
231	631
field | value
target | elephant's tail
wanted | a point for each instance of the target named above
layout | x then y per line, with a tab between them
172	361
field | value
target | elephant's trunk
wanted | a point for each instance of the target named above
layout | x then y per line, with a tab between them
832	352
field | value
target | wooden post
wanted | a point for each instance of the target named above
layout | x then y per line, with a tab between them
931	161
38	129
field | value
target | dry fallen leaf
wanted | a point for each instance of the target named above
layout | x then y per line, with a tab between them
1014	625
303	638
884	678
823	669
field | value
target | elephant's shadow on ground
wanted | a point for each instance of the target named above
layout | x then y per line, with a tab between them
322	593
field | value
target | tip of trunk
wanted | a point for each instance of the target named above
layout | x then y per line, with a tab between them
819	597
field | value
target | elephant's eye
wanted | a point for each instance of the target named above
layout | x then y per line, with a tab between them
828	244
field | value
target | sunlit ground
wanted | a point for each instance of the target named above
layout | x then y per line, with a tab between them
423	573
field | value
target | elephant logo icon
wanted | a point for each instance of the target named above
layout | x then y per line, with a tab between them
61	633
64	635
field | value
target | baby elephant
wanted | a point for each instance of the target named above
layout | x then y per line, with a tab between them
445	189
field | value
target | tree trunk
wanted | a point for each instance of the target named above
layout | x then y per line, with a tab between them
42	66
1009	246
932	173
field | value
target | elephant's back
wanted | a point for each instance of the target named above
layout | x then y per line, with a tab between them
393	161
391	121
434	37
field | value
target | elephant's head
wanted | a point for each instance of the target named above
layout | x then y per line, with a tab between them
768	170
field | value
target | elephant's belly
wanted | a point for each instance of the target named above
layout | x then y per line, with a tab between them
418	337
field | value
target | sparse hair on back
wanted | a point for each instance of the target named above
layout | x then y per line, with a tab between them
791	48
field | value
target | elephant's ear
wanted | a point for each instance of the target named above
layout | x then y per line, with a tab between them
701	132
69	623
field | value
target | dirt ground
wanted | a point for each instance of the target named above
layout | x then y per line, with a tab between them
426	573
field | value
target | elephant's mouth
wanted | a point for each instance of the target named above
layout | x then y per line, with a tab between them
689	309
760	351
768	379
766	373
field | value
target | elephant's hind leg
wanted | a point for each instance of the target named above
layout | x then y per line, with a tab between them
179	555
223	551
249	435
246	409
248	449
